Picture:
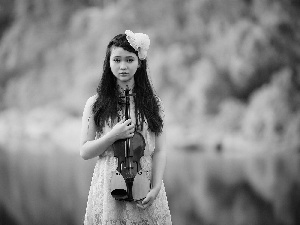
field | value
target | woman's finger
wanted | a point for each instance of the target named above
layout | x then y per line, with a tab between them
130	134
140	206
131	130
131	126
127	122
147	204
146	200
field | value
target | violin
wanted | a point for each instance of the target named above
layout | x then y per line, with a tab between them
129	182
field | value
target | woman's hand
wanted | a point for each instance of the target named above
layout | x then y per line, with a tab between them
123	129
151	196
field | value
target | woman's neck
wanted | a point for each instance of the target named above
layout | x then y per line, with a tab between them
123	86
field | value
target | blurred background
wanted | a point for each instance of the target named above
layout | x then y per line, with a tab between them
228	72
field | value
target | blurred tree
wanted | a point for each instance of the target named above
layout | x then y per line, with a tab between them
6	15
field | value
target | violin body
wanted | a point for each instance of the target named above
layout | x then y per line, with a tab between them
129	182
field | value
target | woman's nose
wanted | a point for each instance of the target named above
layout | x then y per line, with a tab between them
123	65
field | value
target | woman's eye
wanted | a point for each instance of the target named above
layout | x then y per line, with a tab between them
128	60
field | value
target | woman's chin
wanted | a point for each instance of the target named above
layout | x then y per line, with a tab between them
125	79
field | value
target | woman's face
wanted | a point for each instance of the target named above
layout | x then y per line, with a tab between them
123	65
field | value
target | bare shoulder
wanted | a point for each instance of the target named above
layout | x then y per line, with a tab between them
91	100
88	108
88	128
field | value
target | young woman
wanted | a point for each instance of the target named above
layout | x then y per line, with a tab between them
103	123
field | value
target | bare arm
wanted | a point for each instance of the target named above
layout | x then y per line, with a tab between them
159	156
159	162
158	167
90	147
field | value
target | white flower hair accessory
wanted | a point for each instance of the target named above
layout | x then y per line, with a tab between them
139	41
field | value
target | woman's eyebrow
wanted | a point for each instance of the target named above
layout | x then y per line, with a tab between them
118	56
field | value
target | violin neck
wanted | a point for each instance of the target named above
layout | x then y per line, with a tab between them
127	104
127	116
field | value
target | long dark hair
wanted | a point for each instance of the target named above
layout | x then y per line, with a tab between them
147	104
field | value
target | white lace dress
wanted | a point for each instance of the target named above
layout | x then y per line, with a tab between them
103	209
